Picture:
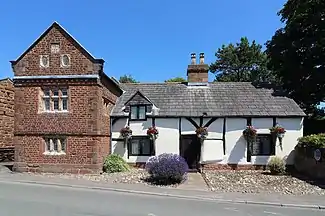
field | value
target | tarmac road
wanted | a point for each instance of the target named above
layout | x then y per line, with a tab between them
18	199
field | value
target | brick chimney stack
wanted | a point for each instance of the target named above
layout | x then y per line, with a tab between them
197	73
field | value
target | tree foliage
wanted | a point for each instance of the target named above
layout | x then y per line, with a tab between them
297	52
241	62
127	79
176	79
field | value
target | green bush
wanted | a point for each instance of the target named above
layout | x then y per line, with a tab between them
115	163
312	141
276	166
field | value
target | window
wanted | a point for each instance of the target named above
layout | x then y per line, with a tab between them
138	112
106	107
44	61
65	60
264	145
55	99
140	146
55	48
55	145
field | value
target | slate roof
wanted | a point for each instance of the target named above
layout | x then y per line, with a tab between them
217	99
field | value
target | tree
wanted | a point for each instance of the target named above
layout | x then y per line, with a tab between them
127	79
242	62
297	52
176	79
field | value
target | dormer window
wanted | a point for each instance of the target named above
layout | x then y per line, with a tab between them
138	112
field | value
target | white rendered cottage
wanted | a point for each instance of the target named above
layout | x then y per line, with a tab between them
225	108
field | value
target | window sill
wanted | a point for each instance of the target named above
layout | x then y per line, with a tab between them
54	153
141	155
45	112
138	119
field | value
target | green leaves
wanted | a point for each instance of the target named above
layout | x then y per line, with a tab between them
297	53
241	62
312	141
176	79
127	79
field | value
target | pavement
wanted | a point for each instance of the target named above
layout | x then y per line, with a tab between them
266	200
29	199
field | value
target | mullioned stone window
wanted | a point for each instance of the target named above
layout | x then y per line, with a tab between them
55	146
54	100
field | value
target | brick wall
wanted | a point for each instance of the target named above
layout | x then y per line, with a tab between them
81	118
85	125
6	113
29	64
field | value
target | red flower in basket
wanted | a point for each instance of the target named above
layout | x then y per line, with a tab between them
126	132
152	132
250	131
202	132
279	132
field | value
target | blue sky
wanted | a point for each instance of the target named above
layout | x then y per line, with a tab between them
151	40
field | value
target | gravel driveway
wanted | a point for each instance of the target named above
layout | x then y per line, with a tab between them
259	182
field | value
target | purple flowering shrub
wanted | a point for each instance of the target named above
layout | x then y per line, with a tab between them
167	168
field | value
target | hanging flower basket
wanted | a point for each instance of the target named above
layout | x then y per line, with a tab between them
202	132
126	132
250	134
152	132
278	132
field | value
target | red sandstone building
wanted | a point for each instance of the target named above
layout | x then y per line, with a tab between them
62	106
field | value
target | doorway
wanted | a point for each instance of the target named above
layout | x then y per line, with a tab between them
190	150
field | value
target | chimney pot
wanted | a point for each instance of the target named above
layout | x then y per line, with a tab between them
201	58
193	58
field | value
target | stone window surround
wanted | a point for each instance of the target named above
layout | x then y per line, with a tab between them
106	107
41	62
61	61
55	47
50	97
55	145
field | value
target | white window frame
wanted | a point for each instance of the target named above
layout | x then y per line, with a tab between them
54	147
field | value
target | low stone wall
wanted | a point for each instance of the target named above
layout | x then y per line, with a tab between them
306	164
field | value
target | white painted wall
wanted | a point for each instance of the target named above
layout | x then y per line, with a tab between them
212	150
294	128
235	142
236	146
167	141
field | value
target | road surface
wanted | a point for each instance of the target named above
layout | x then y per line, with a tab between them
17	199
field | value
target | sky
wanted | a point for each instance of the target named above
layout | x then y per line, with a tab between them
150	40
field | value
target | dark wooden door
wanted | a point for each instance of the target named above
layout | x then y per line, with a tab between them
190	149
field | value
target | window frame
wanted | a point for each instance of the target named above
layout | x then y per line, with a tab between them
272	146
151	143
62	62
47	145
41	61
138	113
48	95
